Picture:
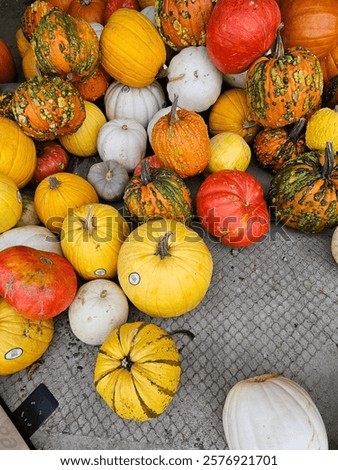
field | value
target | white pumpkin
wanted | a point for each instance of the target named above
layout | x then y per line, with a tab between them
122	101
235	80
97	27
34	236
272	412
156	117
149	12
122	140
334	244
99	307
194	78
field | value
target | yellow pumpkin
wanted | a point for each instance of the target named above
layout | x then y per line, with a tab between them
322	127
10	203
22	43
22	340
91	238
17	153
229	151
132	50
57	194
28	64
138	370
164	268
230	113
83	142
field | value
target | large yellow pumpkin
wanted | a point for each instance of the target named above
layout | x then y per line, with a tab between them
132	50
164	268
17	153
22	341
91	238
138	371
10	203
57	194
83	142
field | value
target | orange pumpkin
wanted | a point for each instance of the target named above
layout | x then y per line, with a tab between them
95	86
329	64
61	4
8	67
89	10
32	16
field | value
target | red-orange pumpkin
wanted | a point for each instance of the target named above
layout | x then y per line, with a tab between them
8	67
89	10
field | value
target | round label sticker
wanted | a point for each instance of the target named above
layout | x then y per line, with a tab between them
100	272
134	278
13	353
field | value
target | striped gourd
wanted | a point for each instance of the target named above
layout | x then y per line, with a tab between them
156	193
304	191
138	370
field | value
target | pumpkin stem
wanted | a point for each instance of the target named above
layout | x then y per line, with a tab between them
297	129
109	175
53	182
145	172
163	246
262	378
248	124
88	222
329	161
278	50
173	117
162	73
126	363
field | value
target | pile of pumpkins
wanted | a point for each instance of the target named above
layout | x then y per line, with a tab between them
98	79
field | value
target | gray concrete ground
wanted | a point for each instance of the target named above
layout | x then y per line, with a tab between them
271	307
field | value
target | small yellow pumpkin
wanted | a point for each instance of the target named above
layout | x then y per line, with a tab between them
10	203
22	340
22	43
28	64
91	238
138	371
83	142
322	127
229	151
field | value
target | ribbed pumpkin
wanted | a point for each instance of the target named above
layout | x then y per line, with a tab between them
83	142
181	142
61	4
137	371
91	238
32	16
22	341
284	87
47	107
59	193
303	192
156	193
164	268
66	46
10	203
183	24
273	147
132	50
329	64
17	153
230	113
89	10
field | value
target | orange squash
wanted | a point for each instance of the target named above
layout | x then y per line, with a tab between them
89	10
8	67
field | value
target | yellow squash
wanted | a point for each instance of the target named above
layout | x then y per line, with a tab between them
229	151
10	203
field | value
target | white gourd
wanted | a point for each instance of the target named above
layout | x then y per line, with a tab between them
272	412
34	236
97	27
334	244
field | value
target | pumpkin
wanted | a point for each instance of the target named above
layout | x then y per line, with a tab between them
229	151
230	113
122	101
334	244
194	79
98	308
89	10
91	238
32	16
311	25
122	140
28	64
149	12
47	107
132	50
94	87
61	4
164	268
22	43
112	5
235	80
241	31
137	371
161	112
303	192
232	207
10	203
83	142
270	411
17	153
273	147
329	65
183	24
154	162
322	127
28	214
181	141
6	104
38	284
66	46
22	341
57	194
33	236
284	87
8	68
51	158
97	27
330	93
146	3
109	179
157	193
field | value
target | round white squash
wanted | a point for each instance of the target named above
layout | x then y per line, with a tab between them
122	101
97	27
34	236
99	307
122	140
272	412
194	78
334	244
